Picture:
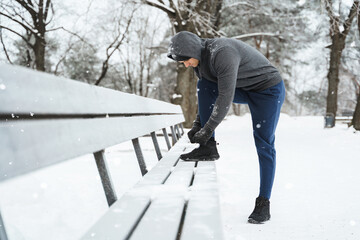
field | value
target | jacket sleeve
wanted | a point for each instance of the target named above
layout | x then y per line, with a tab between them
226	64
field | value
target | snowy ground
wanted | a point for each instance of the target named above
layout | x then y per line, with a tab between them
316	193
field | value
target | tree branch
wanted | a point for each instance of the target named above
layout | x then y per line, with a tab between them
29	9
334	21
161	6
353	12
26	40
72	33
52	15
63	57
258	34
48	2
18	22
106	62
4	47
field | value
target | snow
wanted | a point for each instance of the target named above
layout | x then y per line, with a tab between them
315	192
176	96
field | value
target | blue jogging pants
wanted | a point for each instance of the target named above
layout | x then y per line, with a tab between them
265	109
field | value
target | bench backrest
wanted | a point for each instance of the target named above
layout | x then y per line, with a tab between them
47	119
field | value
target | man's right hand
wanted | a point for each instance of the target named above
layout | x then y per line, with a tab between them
195	128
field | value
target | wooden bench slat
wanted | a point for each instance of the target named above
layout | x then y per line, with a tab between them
162	219
121	218
48	94
161	171
182	174
29	145
203	218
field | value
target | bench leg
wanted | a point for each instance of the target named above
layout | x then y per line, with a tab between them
166	138
105	177
177	131
139	156
156	145
173	135
3	235
182	129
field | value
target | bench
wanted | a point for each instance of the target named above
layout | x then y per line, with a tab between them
344	118
46	120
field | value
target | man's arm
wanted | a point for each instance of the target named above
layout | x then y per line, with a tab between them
226	65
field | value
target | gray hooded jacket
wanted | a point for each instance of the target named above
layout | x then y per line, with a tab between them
228	62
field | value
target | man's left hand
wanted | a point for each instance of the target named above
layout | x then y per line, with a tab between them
203	135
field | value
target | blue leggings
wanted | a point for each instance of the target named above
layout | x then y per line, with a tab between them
265	109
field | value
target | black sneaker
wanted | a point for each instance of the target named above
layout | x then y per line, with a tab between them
207	152
261	212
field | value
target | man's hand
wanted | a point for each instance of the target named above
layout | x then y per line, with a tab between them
195	128
203	135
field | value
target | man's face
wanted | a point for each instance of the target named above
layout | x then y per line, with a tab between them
192	62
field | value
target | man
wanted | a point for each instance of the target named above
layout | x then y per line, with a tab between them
231	71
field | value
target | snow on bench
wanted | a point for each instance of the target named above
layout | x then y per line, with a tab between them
47	120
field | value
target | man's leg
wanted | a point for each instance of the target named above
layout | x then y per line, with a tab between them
265	109
207	93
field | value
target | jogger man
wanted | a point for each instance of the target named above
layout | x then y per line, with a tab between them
229	71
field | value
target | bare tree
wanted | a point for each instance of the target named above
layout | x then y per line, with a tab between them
33	17
338	37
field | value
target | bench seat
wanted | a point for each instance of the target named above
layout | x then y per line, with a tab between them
175	200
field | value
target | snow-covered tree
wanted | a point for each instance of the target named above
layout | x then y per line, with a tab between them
339	28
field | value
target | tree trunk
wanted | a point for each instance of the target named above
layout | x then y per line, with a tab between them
186	87
333	74
39	51
356	117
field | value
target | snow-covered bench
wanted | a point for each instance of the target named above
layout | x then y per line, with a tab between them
47	120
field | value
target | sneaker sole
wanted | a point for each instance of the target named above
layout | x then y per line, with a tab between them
253	221
201	159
